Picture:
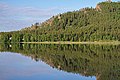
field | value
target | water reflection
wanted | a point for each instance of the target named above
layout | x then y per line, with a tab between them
101	61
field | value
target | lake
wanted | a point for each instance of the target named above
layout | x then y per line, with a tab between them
59	62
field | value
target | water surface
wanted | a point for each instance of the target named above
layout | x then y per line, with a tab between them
59	62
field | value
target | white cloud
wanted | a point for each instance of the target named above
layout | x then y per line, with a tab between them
14	18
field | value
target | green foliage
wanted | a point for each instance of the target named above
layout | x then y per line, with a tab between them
88	24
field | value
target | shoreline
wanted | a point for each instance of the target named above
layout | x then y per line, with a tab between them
68	42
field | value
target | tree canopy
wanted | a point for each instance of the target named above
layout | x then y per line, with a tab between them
88	24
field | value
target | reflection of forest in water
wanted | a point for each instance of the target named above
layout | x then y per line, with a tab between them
102	61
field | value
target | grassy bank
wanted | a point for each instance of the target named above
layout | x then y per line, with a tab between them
67	42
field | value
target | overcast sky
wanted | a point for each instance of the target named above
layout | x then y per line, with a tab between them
18	14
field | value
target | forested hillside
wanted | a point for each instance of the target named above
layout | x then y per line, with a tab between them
88	24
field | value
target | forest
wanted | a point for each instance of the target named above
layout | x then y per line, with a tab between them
87	24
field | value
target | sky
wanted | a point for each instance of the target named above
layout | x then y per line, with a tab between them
18	14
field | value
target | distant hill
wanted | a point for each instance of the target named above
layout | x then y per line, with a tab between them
87	24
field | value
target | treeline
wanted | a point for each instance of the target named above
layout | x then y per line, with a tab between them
101	61
88	24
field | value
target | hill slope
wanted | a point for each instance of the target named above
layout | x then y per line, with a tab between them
88	24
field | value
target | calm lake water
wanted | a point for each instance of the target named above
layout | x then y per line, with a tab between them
59	62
